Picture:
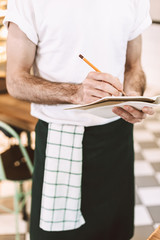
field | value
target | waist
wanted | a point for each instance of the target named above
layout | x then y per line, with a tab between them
57	114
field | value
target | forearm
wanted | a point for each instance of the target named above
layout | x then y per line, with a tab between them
26	87
134	81
33	89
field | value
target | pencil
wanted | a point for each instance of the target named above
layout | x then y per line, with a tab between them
89	63
97	70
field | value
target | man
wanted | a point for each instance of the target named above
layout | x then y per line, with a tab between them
49	35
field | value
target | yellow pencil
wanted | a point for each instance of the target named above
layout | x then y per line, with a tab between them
89	63
97	70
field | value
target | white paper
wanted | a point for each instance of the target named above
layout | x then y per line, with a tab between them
103	107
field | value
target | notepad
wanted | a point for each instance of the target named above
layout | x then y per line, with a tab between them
103	107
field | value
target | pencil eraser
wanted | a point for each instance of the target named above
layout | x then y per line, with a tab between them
81	56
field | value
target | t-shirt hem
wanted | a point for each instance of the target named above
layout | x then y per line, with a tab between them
88	123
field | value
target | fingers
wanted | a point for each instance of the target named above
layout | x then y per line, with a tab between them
135	112
131	114
104	82
107	88
94	93
86	94
96	86
91	99
103	88
148	110
125	115
106	78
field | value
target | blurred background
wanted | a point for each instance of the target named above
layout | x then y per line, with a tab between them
146	136
151	49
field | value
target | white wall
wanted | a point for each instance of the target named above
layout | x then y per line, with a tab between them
151	50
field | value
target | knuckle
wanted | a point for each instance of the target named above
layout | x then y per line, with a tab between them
106	76
116	92
103	76
131	110
116	79
91	74
103	86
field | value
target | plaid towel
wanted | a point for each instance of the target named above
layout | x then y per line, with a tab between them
61	194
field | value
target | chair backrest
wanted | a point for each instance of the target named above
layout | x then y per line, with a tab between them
22	149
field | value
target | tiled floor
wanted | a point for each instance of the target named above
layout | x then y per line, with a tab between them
147	172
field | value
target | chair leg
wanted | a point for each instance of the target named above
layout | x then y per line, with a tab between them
16	211
29	138
24	212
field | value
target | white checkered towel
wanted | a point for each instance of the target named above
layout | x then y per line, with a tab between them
61	194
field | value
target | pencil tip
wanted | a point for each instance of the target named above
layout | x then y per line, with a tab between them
81	56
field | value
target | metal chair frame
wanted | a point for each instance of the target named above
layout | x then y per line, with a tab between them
19	196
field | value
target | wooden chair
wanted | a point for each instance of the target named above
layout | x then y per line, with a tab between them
16	164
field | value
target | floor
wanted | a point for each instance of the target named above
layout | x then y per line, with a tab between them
147	172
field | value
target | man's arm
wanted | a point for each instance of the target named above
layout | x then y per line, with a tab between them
134	83
21	84
134	78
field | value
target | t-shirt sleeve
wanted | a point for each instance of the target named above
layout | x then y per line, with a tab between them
142	18
21	13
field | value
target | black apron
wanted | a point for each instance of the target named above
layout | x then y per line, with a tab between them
107	202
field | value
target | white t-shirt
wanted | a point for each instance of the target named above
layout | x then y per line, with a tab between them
63	29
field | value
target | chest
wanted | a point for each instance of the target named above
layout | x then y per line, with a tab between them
72	18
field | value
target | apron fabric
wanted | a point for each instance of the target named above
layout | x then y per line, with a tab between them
107	190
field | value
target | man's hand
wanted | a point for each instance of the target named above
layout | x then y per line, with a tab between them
131	114
96	86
